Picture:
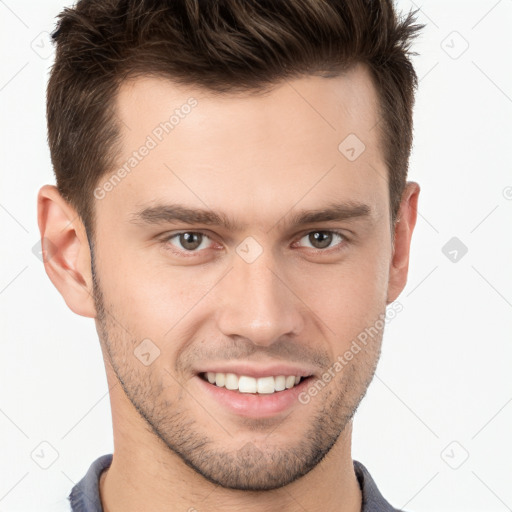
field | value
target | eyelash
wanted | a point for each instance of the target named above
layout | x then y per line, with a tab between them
340	246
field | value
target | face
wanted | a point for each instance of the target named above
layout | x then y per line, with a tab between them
243	237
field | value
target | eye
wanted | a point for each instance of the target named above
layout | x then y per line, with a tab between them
188	241
322	239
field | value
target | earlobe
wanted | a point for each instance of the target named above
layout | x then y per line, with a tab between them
403	229
66	250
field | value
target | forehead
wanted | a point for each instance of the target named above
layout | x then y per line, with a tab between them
338	105
303	141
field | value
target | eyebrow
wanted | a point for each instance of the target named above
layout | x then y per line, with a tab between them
163	214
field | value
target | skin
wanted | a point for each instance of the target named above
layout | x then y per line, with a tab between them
258	160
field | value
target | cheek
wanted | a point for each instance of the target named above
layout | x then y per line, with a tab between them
150	296
349	297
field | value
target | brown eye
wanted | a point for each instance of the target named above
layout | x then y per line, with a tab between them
322	239
188	240
191	241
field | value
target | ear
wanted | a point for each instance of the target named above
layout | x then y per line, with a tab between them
66	254
403	229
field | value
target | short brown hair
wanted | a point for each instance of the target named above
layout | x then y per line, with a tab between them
227	46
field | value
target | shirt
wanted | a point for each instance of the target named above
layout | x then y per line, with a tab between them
85	495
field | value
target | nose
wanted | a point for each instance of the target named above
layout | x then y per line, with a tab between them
256	302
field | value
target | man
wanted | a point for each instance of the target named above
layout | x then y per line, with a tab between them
232	209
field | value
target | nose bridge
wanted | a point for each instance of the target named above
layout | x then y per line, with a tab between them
256	303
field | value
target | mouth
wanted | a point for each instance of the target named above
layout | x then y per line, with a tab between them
243	384
254	392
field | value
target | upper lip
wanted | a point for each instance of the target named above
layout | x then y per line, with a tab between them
252	370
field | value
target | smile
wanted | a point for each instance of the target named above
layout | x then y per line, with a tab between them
245	384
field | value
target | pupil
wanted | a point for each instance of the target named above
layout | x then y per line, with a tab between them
190	240
320	239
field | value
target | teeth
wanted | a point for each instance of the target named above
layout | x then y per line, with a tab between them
231	381
265	384
220	379
280	383
245	384
290	382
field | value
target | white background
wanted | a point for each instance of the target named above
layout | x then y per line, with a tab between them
443	390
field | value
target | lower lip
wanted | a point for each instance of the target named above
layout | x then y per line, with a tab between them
253	405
